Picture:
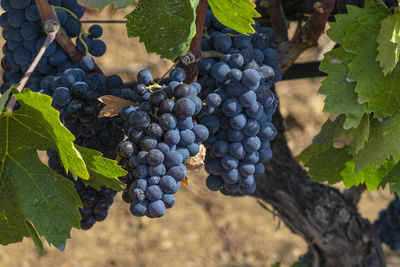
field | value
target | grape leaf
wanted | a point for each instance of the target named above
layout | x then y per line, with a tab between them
166	27
37	115
383	143
102	171
342	21
325	162
30	191
370	176
388	43
235	14
3	100
393	179
100	4
340	95
359	136
331	130
379	92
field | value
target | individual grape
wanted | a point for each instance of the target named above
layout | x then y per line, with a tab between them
22	56
213	100
177	74
222	43
235	75
220	71
236	60
251	78
155	157
87	63
169	200
30	30
144	76
61	96
126	149
157	208
139	208
271	57
98	48
61	15
184	107
96	31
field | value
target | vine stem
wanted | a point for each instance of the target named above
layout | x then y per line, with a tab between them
49	39
306	36
195	46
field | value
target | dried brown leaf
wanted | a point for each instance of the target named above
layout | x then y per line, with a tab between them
113	105
196	162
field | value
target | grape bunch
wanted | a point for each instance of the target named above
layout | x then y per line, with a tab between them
95	203
75	94
24	35
388	224
239	105
162	135
94	46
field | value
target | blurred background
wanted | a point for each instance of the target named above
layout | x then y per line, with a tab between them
204	228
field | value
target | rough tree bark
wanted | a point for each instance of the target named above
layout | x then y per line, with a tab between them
328	220
335	232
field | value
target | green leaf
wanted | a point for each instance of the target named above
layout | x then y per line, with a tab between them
342	21
359	136
340	95
235	14
371	176
330	131
102	171
383	143
325	163
29	189
3	100
35	238
100	4
389	43
36	115
393	179
166	27
381	93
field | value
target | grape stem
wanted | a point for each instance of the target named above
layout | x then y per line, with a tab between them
195	46
46	13
82	33
49	39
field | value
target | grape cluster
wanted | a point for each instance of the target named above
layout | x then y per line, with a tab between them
75	92
95	203
95	46
239	105
388	224
162	135
23	31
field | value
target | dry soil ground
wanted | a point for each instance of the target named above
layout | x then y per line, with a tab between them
204	228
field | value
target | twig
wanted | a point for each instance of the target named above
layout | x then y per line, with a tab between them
104	21
46	13
307	36
278	21
195	45
50	38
